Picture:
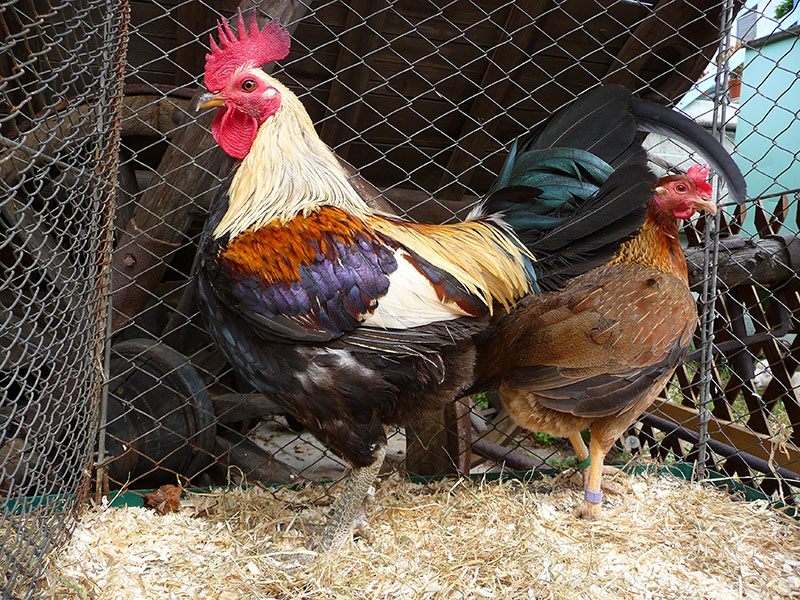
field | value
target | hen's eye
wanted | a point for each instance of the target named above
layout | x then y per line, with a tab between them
248	85
681	188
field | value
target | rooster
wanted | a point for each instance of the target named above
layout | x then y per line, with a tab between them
597	353
354	319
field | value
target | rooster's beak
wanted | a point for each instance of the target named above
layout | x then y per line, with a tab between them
209	100
707	205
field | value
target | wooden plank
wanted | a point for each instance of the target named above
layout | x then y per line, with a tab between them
433	121
741	364
459	434
152	38
364	24
781	387
427	446
689	385
455	22
231	408
493	88
780	213
235	452
770	222
791	401
189	55
743	261
423	20
676	40
748	295
758	419
420	207
440	443
435	64
733	434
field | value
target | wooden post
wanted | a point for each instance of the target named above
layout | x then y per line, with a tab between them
440	444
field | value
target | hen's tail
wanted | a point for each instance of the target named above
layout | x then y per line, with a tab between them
577	186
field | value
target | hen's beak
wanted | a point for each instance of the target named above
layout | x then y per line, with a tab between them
707	205
209	100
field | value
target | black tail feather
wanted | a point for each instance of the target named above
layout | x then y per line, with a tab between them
583	223
655	118
598	121
577	186
596	230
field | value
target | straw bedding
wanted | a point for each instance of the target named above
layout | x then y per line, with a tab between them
452	539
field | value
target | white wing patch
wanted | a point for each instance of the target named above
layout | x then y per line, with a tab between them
411	300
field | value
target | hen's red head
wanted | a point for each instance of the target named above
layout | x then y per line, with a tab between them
245	94
681	195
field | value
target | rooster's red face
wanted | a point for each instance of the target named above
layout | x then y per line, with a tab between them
250	98
251	92
245	95
681	195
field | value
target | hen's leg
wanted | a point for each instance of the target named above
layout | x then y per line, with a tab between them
339	525
582	452
590	507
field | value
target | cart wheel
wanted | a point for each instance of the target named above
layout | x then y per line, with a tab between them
161	421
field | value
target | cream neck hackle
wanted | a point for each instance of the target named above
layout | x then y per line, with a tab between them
289	171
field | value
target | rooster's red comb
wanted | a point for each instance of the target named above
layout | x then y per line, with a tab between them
251	47
699	174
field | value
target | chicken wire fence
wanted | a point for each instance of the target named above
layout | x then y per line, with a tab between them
420	100
61	74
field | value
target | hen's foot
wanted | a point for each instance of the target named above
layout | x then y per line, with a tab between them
606	486
593	511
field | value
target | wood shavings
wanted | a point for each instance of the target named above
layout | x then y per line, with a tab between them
451	539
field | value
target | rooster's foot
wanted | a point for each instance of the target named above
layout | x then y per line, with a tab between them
315	532
362	529
292	559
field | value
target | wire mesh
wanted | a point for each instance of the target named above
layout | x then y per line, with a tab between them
421	100
62	67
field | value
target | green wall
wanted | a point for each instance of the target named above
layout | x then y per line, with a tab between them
768	131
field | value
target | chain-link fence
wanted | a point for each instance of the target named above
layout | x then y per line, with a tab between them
422	99
61	68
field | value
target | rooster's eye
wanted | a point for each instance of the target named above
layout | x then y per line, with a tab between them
681	188
248	85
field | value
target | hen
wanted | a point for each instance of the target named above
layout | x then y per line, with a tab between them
353	319
597	353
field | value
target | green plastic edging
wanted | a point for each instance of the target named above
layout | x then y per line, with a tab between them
681	470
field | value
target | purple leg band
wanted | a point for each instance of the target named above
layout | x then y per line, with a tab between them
593	497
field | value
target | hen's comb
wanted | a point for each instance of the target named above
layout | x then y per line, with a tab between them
699	174
252	47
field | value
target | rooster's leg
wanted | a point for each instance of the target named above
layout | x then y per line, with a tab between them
338	527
